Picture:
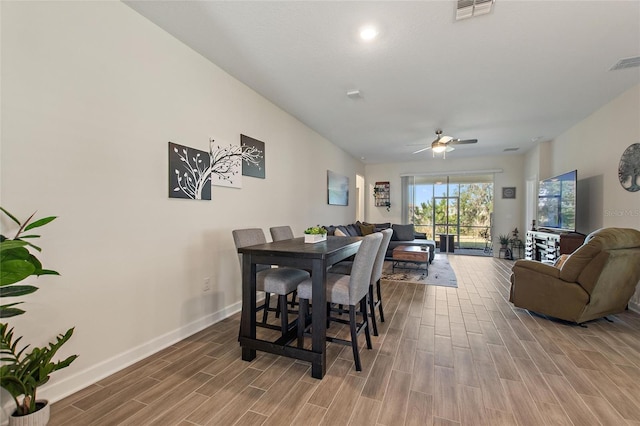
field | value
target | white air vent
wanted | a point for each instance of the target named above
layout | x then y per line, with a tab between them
482	7
626	63
468	8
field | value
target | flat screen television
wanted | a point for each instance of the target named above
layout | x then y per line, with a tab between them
557	202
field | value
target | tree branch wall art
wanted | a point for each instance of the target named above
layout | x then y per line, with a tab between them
629	168
253	157
189	173
192	172
226	165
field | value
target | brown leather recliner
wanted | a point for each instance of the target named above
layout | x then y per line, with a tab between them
598	279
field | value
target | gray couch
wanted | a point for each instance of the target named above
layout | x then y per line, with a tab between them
403	235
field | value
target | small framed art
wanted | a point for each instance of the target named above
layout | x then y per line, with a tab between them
508	192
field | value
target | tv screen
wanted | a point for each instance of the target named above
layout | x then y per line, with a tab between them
557	202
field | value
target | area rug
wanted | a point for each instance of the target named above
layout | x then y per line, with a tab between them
440	273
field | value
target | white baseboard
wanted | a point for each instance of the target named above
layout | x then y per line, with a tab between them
635	307
60	389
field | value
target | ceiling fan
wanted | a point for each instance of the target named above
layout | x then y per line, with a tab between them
442	144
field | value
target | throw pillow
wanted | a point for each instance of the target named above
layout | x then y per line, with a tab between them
352	230
330	229
367	229
403	232
339	233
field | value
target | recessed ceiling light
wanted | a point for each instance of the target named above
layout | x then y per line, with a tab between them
368	33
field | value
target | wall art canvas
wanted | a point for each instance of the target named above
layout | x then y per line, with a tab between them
189	173
253	157
508	192
226	164
337	189
629	168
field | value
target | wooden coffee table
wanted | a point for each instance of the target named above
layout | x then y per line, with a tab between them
419	255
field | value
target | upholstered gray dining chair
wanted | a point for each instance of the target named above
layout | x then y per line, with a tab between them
345	268
280	281
347	290
280	233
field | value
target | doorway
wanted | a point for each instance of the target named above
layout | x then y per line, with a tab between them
360	198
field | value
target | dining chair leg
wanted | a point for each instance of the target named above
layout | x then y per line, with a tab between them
267	300
284	317
278	307
373	311
354	336
293	298
365	315
303	307
379	302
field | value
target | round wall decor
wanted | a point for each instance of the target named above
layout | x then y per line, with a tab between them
629	168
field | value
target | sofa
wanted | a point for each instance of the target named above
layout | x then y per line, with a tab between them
403	235
596	280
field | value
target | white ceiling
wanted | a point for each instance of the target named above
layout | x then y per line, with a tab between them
530	69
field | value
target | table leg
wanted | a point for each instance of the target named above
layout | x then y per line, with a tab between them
248	316
319	318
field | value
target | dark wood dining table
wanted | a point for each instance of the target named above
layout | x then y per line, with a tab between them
314	257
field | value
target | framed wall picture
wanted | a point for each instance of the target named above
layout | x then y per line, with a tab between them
189	173
337	189
508	192
226	164
253	157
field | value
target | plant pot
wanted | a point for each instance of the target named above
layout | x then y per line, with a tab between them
40	417
314	238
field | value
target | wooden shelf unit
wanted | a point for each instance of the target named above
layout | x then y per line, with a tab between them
381	194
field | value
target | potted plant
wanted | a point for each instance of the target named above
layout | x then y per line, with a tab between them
315	234
22	372
504	240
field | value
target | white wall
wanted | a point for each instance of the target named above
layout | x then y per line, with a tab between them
508	213
91	94
594	147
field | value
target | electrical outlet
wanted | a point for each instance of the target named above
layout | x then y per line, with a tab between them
207	285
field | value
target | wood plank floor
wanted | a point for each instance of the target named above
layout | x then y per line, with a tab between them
445	356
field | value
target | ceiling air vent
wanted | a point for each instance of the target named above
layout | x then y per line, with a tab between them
626	63
468	8
510	149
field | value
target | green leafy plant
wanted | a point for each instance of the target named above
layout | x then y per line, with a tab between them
17	262
21	373
315	230
504	239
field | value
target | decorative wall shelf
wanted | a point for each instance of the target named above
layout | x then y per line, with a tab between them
381	194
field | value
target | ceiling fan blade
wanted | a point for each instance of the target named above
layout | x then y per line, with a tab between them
462	142
420	150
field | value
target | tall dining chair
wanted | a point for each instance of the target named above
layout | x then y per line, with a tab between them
376	275
280	281
347	290
279	233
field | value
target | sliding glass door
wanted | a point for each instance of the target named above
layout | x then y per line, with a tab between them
458	205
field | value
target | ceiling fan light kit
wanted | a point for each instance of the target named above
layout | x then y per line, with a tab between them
442	144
